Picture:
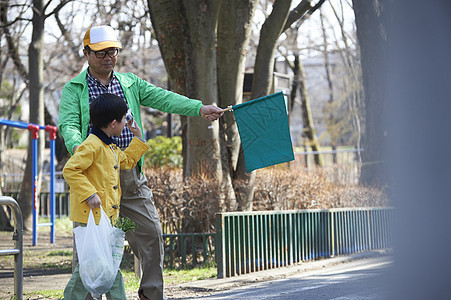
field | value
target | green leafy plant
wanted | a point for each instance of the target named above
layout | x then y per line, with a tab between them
125	224
164	151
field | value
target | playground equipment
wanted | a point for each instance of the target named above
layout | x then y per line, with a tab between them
34	129
18	243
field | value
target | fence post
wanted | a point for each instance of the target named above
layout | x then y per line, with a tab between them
34	129
52	137
220	255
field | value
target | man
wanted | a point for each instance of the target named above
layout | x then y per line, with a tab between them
101	49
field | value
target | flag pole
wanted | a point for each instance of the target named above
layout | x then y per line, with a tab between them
226	109
222	110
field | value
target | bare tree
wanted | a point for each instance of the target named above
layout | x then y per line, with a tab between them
280	19
197	56
299	86
371	20
333	134
352	82
194	64
233	41
10	93
33	77
11	32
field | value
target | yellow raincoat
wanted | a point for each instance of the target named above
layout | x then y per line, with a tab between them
94	168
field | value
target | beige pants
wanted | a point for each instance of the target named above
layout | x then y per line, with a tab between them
146	241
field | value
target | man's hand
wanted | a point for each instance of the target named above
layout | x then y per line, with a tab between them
211	112
94	202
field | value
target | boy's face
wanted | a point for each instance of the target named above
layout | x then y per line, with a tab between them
119	126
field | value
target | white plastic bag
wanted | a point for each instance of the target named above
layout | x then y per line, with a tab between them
117	246
97	267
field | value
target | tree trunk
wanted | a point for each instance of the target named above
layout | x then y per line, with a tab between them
264	61
190	29
372	40
307	119
36	93
2	128
234	30
186	36
203	136
186	33
299	84
333	133
352	84
278	21
172	34
261	85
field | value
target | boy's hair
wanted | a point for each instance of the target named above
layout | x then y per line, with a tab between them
106	108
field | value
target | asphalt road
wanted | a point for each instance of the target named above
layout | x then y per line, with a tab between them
362	279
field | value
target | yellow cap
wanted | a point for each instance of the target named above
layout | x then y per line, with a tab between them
101	37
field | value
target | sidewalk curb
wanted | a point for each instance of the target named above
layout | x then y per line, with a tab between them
222	284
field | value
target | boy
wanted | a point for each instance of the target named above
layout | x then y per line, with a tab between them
93	175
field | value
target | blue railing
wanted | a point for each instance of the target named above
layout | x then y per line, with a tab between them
34	130
17	251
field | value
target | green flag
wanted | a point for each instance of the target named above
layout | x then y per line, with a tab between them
264	131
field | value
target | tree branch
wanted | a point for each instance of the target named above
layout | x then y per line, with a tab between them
12	49
297	13
57	8
4	7
302	12
47	5
3	25
65	33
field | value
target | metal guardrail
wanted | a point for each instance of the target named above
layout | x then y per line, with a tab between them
184	249
192	247
34	130
18	243
252	241
61	203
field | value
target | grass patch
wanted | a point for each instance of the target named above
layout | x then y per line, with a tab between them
174	276
48	260
63	225
171	276
130	281
60	260
45	294
60	253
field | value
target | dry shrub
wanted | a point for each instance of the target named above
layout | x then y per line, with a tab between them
277	188
183	205
190	205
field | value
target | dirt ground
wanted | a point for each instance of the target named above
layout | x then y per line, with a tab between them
35	279
57	276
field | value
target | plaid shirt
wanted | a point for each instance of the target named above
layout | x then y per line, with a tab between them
96	88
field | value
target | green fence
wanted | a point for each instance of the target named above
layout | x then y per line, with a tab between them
253	241
188	249
246	242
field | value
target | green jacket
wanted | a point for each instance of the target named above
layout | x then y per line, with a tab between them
73	121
